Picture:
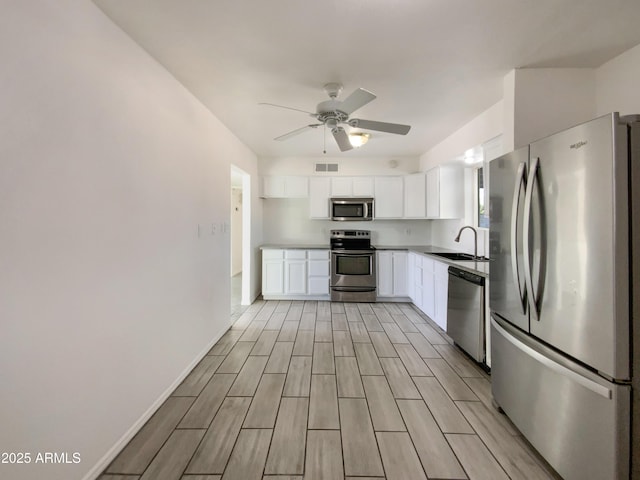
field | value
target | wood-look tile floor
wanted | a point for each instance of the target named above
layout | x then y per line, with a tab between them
320	390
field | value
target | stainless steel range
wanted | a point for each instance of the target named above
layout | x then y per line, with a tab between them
353	266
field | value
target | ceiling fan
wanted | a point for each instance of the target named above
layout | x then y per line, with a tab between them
333	113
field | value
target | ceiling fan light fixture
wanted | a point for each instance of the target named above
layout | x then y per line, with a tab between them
357	139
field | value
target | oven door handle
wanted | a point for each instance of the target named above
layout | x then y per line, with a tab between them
359	253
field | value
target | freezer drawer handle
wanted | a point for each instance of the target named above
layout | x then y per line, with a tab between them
520	179
528	278
556	367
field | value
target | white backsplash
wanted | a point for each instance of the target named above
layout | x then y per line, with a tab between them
443	233
286	221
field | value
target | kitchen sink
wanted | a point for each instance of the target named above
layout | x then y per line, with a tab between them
459	256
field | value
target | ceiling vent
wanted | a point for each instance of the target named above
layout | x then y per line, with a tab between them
326	167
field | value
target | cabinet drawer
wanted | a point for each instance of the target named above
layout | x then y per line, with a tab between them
273	254
295	254
318	254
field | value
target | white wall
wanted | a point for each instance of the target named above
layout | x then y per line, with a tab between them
487	125
617	84
286	221
548	100
236	231
346	166
536	103
108	166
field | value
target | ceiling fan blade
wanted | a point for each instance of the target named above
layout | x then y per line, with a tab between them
380	126
342	139
357	99
297	131
288	108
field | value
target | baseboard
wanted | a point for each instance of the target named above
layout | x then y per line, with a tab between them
393	299
108	457
325	298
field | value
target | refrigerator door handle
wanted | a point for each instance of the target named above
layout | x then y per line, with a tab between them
520	179
556	367
528	278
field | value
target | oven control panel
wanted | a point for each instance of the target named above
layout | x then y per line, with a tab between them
350	233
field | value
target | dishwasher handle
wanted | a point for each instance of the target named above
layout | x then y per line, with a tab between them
465	275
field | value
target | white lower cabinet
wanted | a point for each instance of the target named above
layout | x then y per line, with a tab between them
392	273
319	272
428	281
428	287
441	293
272	272
295	274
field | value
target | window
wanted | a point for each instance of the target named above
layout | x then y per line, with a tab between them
481	213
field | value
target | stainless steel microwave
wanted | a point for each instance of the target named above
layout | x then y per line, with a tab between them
351	209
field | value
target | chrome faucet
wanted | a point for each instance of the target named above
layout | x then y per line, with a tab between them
475	239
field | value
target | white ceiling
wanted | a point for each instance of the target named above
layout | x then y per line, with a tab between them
434	64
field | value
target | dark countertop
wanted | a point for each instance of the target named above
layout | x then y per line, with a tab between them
479	268
295	246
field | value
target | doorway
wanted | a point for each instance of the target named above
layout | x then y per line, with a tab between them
240	241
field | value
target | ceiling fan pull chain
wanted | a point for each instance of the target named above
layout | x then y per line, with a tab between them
324	139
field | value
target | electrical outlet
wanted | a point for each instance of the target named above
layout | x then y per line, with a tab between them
214	229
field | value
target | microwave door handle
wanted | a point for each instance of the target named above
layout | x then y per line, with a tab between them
528	278
366	210
520	179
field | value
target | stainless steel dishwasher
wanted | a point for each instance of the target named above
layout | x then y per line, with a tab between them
465	312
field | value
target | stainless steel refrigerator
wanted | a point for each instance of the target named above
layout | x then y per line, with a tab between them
564	300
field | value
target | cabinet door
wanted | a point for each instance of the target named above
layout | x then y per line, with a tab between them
272	277
295	277
318	268
385	274
388	197
341	186
428	287
318	285
411	282
279	186
319	190
363	187
451	197
445	192
273	187
433	193
441	291
400	274
318	271
415	202
296	187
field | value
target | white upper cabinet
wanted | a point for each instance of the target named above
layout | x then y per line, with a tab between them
285	187
389	197
415	196
352	186
363	186
319	193
341	186
445	192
